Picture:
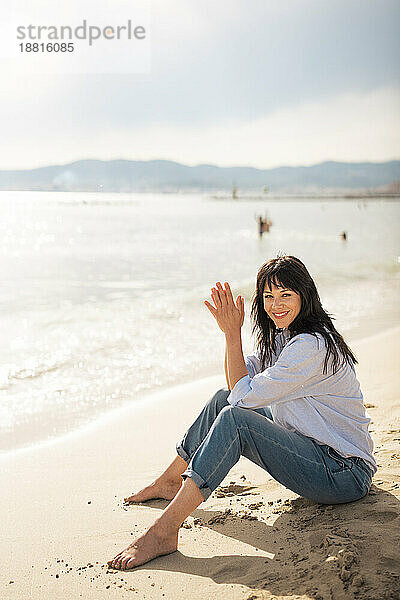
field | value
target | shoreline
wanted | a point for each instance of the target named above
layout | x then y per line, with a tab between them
356	336
62	515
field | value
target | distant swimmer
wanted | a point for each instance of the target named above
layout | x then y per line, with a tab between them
263	224
260	225
343	235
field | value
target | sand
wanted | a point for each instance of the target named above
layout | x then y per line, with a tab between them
62	515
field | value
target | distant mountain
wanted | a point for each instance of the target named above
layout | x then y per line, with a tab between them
165	175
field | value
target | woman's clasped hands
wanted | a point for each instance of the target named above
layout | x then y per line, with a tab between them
228	313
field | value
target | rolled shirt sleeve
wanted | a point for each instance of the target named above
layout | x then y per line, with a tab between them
300	361
253	365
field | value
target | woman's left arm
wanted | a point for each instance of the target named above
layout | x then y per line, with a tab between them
230	316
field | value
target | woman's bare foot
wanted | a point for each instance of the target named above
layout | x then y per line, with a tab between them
157	541
159	489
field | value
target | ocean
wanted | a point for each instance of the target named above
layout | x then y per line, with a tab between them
102	294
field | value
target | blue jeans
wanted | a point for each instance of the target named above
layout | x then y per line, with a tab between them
222	433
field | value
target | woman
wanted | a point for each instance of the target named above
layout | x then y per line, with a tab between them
295	409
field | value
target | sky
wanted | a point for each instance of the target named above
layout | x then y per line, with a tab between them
262	83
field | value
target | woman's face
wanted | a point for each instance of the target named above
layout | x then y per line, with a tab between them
281	305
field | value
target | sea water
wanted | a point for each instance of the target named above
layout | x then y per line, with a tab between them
102	295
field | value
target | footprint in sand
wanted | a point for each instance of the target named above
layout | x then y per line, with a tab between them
380	516
233	490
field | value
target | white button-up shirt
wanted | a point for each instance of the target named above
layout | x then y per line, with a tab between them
326	407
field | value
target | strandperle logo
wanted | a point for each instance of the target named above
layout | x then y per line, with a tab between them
90	33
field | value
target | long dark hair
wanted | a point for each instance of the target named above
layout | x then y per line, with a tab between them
289	272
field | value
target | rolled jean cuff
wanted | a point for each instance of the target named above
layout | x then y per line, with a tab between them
199	481
182	453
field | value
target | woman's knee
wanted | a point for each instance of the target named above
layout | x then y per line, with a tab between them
228	414
219	400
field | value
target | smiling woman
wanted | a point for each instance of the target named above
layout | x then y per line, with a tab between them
281	305
287	298
295	409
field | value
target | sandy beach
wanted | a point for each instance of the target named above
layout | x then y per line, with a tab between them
62	515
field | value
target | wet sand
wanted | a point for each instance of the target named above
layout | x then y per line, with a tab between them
62	515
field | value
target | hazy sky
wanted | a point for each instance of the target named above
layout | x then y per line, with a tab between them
238	82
